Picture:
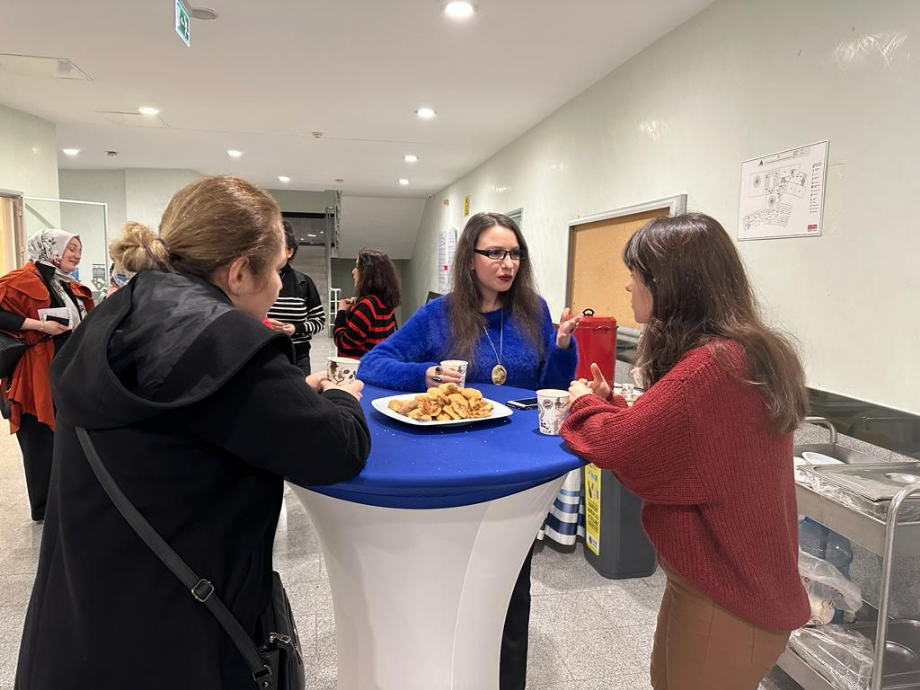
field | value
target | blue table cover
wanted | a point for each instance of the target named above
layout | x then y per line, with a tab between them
444	467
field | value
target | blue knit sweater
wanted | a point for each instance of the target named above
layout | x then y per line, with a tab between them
400	361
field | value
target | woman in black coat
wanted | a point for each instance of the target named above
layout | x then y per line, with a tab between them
198	412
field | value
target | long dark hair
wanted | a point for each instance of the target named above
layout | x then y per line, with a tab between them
465	300
701	293
377	276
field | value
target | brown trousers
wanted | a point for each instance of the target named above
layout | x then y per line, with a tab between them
701	646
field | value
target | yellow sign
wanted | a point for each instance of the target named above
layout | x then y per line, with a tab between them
593	508
466	205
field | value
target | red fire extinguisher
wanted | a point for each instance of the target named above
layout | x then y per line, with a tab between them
597	343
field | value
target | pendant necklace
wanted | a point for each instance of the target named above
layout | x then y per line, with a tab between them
499	373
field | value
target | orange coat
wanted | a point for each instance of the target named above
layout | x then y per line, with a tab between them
24	292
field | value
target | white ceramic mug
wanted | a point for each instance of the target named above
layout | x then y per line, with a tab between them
553	406
458	365
342	370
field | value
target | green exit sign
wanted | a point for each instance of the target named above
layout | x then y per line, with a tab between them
183	23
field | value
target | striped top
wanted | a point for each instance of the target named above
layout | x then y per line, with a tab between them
299	304
367	323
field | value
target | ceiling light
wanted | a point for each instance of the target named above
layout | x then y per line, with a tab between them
70	152
410	158
311	234
147	110
233	153
404	182
284	178
425	112
459	9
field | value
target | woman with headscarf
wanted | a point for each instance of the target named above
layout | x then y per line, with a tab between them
45	281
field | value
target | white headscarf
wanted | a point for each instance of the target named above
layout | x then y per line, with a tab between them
47	247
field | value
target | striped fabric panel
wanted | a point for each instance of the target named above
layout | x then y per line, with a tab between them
566	519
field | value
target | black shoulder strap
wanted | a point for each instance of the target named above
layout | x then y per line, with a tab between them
201	589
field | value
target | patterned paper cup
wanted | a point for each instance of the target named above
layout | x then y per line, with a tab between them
553	406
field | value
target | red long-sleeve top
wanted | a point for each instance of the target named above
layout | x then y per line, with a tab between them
716	481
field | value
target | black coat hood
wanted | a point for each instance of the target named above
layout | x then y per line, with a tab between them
161	343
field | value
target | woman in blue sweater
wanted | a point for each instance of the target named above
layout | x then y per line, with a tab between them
494	319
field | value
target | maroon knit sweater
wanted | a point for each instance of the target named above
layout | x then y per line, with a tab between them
717	482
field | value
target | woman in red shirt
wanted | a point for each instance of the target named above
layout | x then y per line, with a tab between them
708	448
369	317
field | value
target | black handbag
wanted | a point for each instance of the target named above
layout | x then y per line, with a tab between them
278	663
11	351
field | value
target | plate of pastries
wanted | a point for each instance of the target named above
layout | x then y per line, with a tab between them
446	405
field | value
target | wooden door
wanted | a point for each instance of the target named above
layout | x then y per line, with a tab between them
597	276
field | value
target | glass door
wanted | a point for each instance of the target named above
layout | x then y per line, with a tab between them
89	220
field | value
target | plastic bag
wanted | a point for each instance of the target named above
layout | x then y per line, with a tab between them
843	657
828	590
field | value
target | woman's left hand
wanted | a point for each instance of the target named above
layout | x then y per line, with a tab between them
315	381
567	324
578	389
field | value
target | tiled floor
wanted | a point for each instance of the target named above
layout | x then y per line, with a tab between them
587	633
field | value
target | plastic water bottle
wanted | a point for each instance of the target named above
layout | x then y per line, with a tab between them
823	543
813	537
839	552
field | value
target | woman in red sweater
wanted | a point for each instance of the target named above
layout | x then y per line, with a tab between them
369	317
708	448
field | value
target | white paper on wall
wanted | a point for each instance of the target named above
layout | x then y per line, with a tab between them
782	195
447	247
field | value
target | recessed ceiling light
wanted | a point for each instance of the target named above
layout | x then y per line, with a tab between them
311	234
410	158
147	110
459	9
70	152
233	153
404	182
284	178
425	112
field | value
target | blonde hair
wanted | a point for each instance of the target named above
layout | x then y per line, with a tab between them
206	225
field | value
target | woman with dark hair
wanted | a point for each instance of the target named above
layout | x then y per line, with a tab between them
708	448
298	312
46	281
494	319
369	317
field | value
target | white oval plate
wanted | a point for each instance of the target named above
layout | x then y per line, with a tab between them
819	459
499	411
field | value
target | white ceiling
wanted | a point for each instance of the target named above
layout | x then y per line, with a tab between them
267	73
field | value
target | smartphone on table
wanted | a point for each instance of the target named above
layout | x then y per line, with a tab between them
523	404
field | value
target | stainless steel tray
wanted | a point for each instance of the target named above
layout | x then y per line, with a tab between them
876	482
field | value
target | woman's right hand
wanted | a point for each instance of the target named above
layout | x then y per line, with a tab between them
436	375
346	304
353	388
46	327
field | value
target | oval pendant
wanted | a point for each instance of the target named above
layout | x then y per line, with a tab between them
499	375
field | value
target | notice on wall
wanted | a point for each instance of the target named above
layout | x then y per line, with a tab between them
593	508
782	195
466	205
447	247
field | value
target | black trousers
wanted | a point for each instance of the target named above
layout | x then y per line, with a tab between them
37	443
302	357
512	670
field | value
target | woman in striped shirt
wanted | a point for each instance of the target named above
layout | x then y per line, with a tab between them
298	311
369	317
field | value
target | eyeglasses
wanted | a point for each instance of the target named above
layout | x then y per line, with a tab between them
500	254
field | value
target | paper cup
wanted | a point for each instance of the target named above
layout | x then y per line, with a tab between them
459	365
553	406
342	370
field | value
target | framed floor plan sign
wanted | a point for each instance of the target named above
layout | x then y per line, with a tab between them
782	194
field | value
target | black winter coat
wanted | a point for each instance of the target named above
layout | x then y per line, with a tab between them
198	413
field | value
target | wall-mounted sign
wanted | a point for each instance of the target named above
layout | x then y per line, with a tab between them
183	23
466	205
447	247
782	195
